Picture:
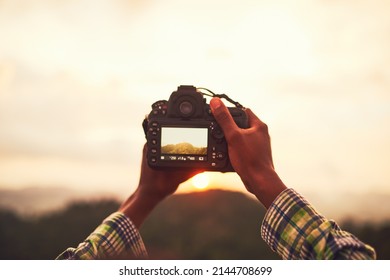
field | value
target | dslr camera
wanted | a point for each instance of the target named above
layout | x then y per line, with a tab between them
183	133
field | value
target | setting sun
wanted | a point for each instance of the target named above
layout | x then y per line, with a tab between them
200	181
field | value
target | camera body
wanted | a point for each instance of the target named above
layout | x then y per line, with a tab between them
183	133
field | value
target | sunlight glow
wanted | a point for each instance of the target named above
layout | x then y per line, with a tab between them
200	181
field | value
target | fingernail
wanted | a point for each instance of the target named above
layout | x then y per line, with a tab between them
215	103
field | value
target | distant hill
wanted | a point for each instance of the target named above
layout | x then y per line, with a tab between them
214	224
205	225
365	207
183	149
47	236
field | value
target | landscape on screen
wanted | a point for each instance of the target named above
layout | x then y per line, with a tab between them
183	148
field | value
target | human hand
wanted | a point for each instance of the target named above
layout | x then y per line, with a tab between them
250	153
153	187
159	184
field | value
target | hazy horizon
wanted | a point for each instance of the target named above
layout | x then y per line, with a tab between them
345	206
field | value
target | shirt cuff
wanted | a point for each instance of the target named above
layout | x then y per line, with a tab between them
115	238
287	222
119	237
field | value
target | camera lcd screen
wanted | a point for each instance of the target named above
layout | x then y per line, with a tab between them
184	141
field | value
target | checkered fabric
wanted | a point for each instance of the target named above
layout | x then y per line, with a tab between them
295	230
115	238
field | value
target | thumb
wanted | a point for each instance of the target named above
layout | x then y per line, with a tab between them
223	116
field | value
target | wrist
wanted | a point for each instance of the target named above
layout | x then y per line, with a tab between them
266	187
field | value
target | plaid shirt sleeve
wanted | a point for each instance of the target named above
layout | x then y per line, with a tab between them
115	238
295	230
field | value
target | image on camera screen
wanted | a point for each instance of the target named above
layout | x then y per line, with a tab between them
184	141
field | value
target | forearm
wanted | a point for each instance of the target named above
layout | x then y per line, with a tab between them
138	206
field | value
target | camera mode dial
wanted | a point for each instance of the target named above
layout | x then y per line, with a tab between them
160	107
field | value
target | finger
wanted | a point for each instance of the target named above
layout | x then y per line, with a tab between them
223	117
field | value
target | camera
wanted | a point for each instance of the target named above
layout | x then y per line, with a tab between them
183	133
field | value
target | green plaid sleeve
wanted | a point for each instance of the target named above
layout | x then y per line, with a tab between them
295	230
115	238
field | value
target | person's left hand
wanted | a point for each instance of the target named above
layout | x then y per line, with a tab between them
161	183
154	186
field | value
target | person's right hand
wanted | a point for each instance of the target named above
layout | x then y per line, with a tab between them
250	153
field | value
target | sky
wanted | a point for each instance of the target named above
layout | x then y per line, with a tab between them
78	77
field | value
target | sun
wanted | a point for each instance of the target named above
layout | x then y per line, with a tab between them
200	181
